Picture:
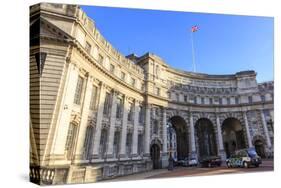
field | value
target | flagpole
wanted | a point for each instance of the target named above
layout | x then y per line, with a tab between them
193	54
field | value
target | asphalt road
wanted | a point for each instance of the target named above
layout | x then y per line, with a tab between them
267	165
195	171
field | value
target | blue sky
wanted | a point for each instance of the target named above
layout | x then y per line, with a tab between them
224	44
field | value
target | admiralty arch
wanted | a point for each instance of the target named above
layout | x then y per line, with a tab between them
97	114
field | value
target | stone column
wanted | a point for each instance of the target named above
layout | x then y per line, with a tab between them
147	131
122	152
164	127
247	129
268	142
84	119
135	131
58	147
109	152
97	136
165	155
220	139
192	136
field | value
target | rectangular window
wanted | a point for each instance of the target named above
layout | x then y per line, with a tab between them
195	100
141	114
211	101
250	99
142	87
130	112
129	144
228	101
78	91
177	97
140	144
262	98
106	104
93	98
112	68
133	82
69	144
88	142
119	107
88	47
169	95
236	100
123	76
158	91
100	60
116	144
103	141
220	101
185	98
202	100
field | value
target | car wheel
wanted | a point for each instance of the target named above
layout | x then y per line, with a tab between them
245	165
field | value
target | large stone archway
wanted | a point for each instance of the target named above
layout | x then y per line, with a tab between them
182	141
206	138
233	135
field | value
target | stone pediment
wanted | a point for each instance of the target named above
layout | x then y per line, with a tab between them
41	28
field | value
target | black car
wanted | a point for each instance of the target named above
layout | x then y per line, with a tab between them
244	158
211	161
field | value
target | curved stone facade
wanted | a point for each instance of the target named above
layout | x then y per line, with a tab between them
96	114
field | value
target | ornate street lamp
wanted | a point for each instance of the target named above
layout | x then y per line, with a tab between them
171	161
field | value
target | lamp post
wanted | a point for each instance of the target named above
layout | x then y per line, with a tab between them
171	161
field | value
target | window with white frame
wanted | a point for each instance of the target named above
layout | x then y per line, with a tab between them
130	111
140	144
141	114
103	143
88	142
88	47
133	82
116	144
129	144
123	75
93	102
119	107
70	139
107	103
112	68
78	91
100	59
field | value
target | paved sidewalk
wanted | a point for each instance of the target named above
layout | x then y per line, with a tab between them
139	176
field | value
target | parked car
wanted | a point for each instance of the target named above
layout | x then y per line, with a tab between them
244	158
211	161
183	162
192	162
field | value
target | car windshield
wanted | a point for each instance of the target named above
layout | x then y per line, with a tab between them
252	153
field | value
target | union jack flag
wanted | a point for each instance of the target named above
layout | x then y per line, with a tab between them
194	28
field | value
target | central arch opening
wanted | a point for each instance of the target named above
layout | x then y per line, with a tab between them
233	136
206	138
180	130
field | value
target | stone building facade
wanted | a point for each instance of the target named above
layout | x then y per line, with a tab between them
96	114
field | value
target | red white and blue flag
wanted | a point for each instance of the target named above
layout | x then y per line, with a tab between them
194	28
